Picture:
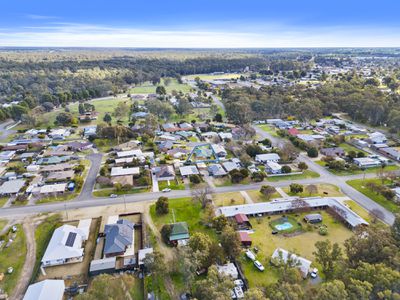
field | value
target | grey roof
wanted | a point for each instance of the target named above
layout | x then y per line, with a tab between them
103	264
12	186
277	206
118	236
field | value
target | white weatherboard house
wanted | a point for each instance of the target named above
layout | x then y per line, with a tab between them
45	290
264	158
65	246
300	262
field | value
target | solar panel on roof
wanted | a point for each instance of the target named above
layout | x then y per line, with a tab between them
70	239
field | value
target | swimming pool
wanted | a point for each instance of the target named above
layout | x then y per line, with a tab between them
283	226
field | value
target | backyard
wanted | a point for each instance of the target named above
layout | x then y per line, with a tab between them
302	244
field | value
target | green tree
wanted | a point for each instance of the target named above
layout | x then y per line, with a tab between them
296	188
107	118
302	166
312	152
267	191
160	90
332	290
162	205
328	256
230	242
220	222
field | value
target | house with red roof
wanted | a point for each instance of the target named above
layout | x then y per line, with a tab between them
293	131
242	221
244	238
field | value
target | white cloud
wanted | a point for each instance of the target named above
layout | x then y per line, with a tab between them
40	17
87	35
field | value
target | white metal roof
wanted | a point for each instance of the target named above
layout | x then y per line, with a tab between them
53	188
303	264
119	171
276	206
188	170
46	290
12	186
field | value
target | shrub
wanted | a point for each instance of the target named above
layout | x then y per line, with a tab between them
323	230
312	152
286	169
194	179
296	188
162	206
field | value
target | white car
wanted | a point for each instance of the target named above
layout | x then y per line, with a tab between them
314	273
166	190
258	265
113	196
250	255
238	282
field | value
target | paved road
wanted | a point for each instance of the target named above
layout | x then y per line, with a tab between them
4	132
87	189
340	181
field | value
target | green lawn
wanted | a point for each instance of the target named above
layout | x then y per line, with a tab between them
347	148
256	196
269	129
3	223
354	172
324	190
306	174
227	199
101	106
43	234
3	200
358	210
184	210
360	185
108	192
59	198
302	244
149	88
173	185
13	256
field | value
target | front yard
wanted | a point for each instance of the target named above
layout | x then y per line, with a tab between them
323	190
306	174
227	199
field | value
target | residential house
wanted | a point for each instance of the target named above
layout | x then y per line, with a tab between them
244	238
282	255
79	146
61	175
120	171
333	152
313	218
6	156
11	187
216	170
164	146
230	166
264	158
186	171
165	172
242	221
179	233
393	153
48	289
397	192
367	162
185	126
119	237
219	150
293	131
65	246
225	135
273	167
89	131
177	152
169	127
377	138
52	189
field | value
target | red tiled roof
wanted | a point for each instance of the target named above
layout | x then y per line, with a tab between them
293	131
241	218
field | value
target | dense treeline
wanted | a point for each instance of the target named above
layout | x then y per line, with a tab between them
361	99
57	82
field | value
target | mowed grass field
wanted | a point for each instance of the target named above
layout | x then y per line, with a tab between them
102	106
302	244
228	199
184	210
13	256
149	88
323	190
361	186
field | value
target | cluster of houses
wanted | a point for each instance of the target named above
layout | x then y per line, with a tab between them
115	251
40	165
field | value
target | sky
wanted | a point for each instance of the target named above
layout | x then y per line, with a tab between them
200	24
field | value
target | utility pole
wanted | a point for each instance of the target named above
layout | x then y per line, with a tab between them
173	216
124	202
